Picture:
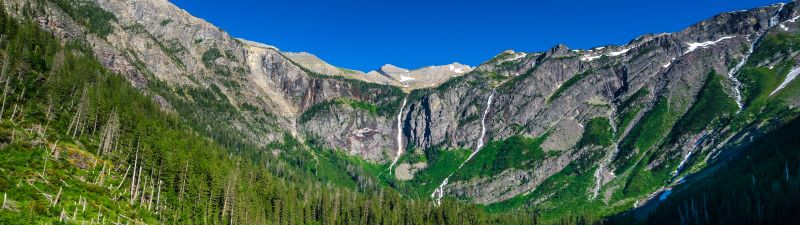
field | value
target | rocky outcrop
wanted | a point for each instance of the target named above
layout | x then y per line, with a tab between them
354	131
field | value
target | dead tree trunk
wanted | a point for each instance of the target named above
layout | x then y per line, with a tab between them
109	134
158	198
48	114
133	177
99	179
78	119
5	87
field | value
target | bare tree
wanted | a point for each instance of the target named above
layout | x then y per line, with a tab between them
99	179
5	87
138	183
133	177
158	198
49	113
78	120
110	134
152	193
228	199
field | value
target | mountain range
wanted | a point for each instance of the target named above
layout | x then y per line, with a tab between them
610	134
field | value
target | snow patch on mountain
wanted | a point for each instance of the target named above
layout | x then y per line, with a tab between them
405	78
620	52
789	78
696	45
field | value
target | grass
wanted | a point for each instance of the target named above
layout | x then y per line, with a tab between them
439	167
644	181
634	97
598	132
647	133
626	119
712	104
517	151
774	44
754	180
499	57
21	182
629	111
757	81
566	193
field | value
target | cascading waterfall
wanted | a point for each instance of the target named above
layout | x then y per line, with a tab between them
598	173
399	134
483	129
439	192
598	179
689	155
737	85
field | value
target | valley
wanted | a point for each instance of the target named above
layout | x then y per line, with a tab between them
137	112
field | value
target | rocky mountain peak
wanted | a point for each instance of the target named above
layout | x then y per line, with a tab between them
424	77
257	44
389	69
509	51
560	50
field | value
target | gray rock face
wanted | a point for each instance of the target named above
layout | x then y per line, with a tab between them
355	132
406	171
555	92
564	135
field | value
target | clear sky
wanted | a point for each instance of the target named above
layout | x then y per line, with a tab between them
365	34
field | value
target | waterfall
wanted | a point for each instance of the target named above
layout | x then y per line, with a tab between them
737	85
689	155
483	130
439	192
598	179
399	135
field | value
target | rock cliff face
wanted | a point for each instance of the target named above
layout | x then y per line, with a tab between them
648	89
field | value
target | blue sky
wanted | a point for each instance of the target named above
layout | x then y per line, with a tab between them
365	34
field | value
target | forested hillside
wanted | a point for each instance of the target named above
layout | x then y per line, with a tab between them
80	145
